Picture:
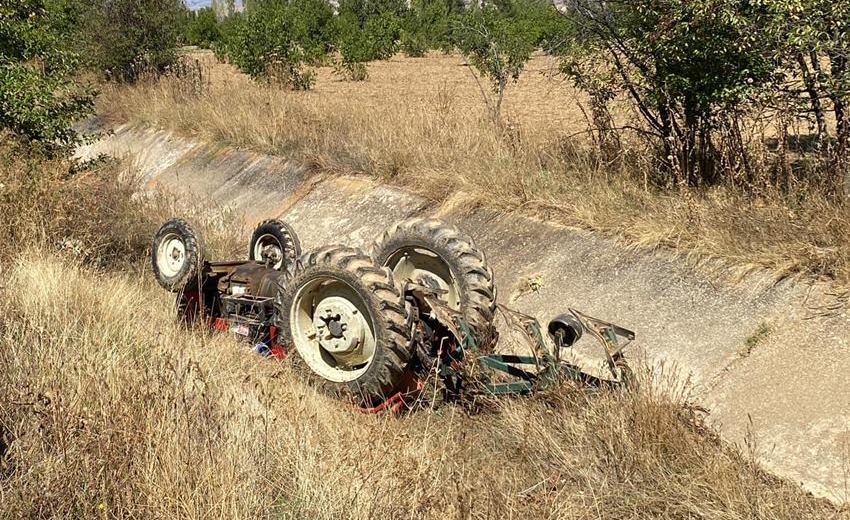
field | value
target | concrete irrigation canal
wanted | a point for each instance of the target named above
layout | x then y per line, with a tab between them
769	361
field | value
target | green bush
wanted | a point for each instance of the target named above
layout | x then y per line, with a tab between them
130	38
39	100
427	25
202	28
273	40
813	44
686	65
369	30
414	44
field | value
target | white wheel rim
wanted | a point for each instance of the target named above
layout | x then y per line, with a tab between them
426	268
331	330
268	246
171	255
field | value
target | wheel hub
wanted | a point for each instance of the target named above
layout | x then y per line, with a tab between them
332	329
269	249
272	252
340	328
426	268
171	256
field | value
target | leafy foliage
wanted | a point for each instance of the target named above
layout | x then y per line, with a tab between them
498	39
129	38
368	29
428	25
273	40
202	28
39	100
685	65
812	41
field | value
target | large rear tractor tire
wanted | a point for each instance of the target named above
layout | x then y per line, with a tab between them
176	254
434	253
348	324
275	242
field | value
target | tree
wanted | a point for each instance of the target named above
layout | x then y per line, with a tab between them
812	41
686	65
369	29
498	40
427	25
273	39
135	36
39	100
202	28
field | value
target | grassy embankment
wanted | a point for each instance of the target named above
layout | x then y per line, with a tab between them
108	409
421	123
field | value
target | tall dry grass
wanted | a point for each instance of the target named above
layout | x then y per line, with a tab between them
109	409
95	213
421	123
89	212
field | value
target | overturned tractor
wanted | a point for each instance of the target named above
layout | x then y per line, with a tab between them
374	327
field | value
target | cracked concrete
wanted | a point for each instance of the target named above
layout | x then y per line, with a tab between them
786	396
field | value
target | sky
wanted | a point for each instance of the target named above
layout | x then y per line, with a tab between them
197	4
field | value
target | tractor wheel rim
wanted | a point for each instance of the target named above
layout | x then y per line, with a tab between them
171	255
426	268
331	330
269	245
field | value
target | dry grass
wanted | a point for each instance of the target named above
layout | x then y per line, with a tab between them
108	409
421	123
94	213
46	203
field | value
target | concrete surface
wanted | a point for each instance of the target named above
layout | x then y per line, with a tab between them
771	367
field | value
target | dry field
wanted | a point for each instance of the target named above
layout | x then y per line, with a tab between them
109	409
421	123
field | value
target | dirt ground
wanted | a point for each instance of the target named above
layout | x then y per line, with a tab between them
541	100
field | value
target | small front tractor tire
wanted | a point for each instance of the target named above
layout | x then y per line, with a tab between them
433	252
348	324
276	242
176	253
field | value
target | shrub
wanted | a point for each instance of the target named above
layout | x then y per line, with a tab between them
814	45
427	25
129	38
287	72
202	28
39	100
368	30
414	44
273	40
685	65
353	71
93	212
352	43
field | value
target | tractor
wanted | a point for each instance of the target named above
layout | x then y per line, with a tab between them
373	327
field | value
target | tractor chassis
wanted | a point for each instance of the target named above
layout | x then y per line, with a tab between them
446	344
499	374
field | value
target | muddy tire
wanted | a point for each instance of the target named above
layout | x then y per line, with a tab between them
348	324
176	254
438	253
275	240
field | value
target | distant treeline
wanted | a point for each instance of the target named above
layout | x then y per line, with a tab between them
690	69
696	73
